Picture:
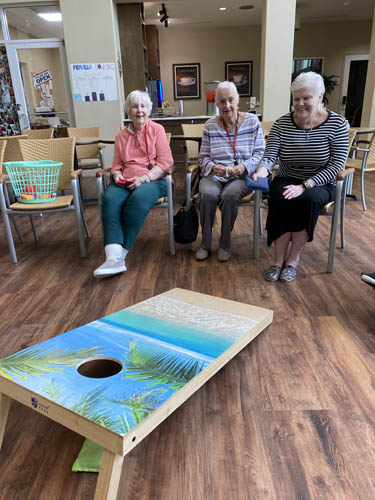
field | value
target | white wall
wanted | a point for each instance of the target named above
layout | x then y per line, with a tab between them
90	38
333	41
90	28
212	47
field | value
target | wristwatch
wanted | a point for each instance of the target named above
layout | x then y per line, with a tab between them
308	183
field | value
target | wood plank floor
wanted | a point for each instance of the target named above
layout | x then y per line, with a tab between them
291	417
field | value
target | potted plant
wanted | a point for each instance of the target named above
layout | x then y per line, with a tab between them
330	83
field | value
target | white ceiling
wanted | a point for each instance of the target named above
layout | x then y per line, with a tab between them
206	13
26	19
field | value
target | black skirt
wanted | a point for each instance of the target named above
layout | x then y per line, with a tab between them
299	213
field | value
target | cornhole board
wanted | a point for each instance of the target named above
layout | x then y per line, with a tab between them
115	379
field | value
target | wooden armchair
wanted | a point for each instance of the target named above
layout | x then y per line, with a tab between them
366	164
192	146
89	156
42	133
12	150
61	150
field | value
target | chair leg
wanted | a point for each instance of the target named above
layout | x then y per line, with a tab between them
256	224
363	189
85	226
350	183
83	217
334	225
342	210
77	209
33	227
100	184
188	191
8	232
170	215
16	228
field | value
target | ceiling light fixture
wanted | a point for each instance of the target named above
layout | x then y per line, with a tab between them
51	17
246	7
163	13
222	8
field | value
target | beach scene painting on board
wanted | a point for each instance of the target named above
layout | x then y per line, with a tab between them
158	346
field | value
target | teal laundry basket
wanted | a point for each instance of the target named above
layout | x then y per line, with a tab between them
34	181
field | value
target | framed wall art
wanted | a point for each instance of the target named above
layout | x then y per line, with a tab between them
240	73
187	81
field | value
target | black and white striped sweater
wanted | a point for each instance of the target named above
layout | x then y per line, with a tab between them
319	153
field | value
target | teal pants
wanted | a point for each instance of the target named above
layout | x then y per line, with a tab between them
124	211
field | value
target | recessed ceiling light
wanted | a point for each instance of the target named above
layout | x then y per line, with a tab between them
222	8
246	7
51	17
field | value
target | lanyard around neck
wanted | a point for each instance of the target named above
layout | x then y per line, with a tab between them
233	144
146	144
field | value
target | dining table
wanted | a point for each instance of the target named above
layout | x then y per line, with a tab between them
197	138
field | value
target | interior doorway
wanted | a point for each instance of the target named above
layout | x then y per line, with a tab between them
353	88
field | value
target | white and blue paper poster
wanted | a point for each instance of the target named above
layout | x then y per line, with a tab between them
94	82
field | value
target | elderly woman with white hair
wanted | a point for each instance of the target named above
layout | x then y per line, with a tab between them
310	143
232	146
141	156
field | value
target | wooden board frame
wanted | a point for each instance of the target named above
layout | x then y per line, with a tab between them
116	446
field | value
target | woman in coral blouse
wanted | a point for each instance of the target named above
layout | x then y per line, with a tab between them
142	154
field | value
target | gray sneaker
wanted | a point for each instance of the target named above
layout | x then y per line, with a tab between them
272	273
288	273
223	255
110	268
201	254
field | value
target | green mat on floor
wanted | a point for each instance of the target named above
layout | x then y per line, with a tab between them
89	458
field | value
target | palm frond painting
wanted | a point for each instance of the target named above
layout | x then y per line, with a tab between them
88	405
148	364
140	406
37	361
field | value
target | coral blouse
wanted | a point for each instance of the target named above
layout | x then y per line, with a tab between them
133	155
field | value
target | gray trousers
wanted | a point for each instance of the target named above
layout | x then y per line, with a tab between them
225	194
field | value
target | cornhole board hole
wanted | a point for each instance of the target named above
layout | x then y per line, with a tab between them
115	379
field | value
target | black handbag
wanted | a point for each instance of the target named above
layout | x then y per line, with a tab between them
186	225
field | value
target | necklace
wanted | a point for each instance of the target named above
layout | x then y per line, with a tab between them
307	132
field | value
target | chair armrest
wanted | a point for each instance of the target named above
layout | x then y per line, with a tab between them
362	141
356	148
103	171
192	168
76	173
344	173
169	170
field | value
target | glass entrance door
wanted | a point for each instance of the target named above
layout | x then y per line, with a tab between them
40	81
37	66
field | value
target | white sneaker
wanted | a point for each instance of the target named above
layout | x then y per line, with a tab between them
110	267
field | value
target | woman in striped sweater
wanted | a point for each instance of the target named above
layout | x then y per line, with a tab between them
310	143
232	146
